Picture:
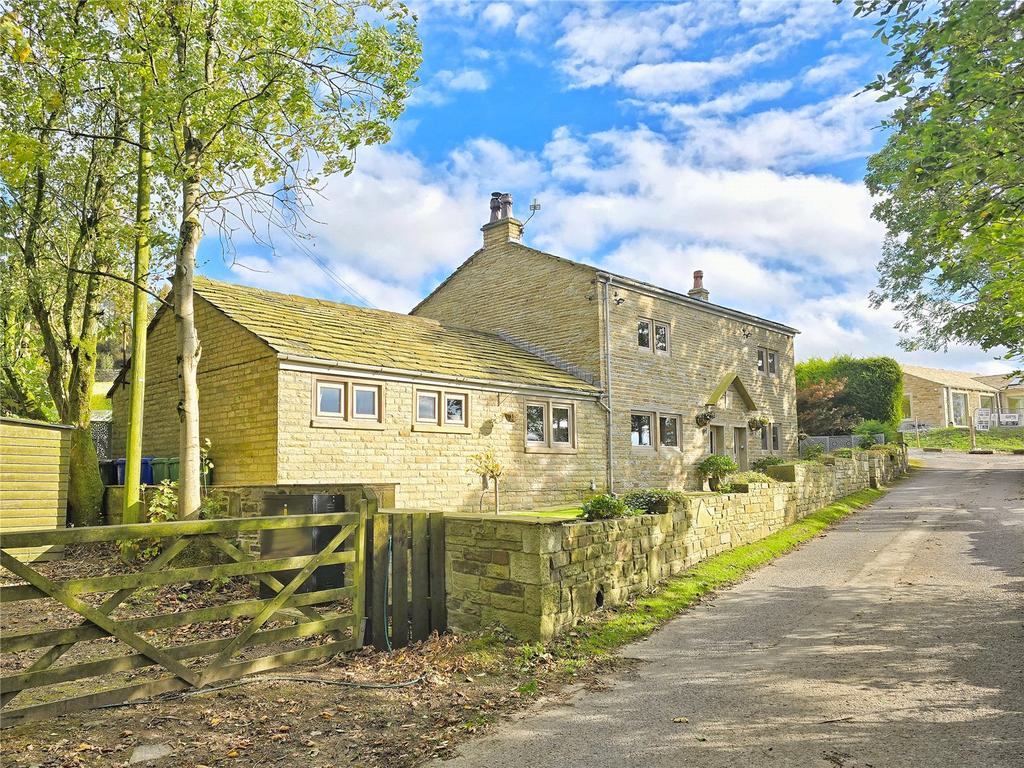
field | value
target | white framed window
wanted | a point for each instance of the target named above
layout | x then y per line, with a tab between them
668	431
661	338
455	413
959	410
330	399
550	425
776	437
345	403
643	333
426	407
641	434
365	402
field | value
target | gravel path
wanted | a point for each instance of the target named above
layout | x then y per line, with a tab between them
894	640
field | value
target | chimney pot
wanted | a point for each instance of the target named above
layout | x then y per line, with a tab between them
502	227
698	291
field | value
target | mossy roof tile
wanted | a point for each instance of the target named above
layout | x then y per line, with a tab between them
342	333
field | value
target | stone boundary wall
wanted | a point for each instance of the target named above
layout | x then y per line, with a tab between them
537	578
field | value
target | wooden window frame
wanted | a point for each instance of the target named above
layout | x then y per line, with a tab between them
347	418
548	444
668	338
650	334
440	421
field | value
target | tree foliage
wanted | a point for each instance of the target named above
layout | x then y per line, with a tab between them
873	386
820	408
950	179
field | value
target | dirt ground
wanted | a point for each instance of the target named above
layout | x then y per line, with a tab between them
419	702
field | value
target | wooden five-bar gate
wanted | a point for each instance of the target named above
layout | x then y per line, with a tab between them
292	611
393	593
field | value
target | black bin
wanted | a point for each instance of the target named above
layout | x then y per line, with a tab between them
292	542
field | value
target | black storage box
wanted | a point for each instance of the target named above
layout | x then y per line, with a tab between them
291	542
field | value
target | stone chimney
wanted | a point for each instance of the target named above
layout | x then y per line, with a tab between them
502	227
698	292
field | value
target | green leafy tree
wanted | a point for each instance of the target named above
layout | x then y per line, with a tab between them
61	195
872	386
950	178
253	102
820	408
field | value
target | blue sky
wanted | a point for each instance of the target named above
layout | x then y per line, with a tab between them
723	135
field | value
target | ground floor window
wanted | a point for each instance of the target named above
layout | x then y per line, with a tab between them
959	414
343	403
776	437
668	431
550	425
441	408
765	430
640	430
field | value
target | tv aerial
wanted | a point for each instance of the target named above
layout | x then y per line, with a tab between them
534	207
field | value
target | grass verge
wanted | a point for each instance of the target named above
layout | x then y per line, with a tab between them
959	439
609	633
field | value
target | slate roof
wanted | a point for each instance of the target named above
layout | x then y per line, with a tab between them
342	333
956	379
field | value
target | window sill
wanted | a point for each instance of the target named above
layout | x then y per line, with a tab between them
322	423
550	449
450	429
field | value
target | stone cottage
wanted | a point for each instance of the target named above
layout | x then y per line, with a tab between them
936	397
1009	399
577	379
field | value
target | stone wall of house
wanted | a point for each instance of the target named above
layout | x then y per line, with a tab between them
430	465
703	348
237	398
927	397
537	578
554	305
547	304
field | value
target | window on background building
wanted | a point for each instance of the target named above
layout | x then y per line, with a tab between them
987	401
907	407
959	409
640	430
330	399
426	407
643	334
668	431
1015	404
776	441
661	337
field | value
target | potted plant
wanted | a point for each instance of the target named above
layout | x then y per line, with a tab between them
715	468
757	423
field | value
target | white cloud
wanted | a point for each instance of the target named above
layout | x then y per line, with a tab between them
498	15
837	66
438	89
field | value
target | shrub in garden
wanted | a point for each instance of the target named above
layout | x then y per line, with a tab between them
761	464
746	478
843	453
814	452
715	468
651	500
606	507
872	427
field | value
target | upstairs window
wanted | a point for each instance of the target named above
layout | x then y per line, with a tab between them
643	333
550	426
661	338
767	361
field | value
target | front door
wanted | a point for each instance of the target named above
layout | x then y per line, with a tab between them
739	447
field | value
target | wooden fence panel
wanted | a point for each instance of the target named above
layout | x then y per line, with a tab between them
408	588
287	605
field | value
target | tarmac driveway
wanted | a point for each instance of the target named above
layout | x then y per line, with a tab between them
894	640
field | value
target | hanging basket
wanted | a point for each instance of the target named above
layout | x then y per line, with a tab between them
705	417
758	423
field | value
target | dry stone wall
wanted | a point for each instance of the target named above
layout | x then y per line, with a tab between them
537	578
